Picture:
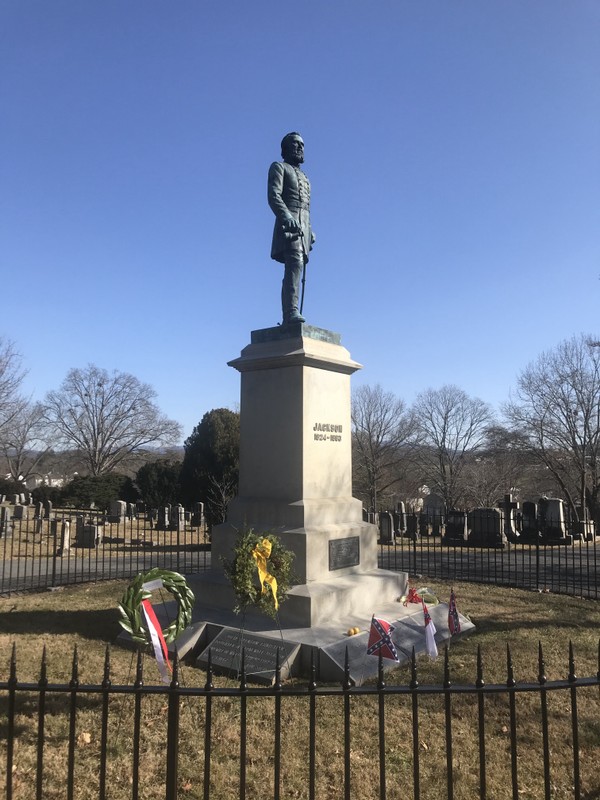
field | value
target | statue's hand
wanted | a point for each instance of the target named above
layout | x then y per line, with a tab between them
290	225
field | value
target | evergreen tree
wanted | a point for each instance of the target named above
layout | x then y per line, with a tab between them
210	467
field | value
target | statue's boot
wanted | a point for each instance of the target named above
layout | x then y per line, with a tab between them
293	316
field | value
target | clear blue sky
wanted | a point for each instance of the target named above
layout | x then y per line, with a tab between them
453	148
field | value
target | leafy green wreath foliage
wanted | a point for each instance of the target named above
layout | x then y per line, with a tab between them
243	574
131	614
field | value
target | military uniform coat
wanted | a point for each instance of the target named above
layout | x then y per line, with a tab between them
288	192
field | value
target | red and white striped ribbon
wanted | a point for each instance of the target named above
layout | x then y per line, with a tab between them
158	641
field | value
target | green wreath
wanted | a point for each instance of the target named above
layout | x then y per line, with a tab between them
242	571
129	607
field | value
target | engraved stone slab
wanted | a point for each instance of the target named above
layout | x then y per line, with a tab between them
344	552
260	655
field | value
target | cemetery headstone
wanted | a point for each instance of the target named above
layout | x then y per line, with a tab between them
386	528
529	523
177	518
63	534
510	507
39	511
88	536
456	531
66	536
163	522
21	512
412	526
425	525
5	523
118	511
583	527
434	507
551	521
400	519
79	523
48	509
486	527
198	515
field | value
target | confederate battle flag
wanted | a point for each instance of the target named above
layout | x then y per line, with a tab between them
380	640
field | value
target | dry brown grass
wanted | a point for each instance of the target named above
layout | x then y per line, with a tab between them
86	616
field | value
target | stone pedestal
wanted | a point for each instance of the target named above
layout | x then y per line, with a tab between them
296	475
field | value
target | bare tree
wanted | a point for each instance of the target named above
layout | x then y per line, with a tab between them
11	377
220	494
557	412
108	417
382	437
500	465
453	427
22	442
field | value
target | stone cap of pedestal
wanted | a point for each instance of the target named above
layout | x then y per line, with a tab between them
295	345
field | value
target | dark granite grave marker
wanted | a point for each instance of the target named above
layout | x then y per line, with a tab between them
456	531
412	526
487	527
386	528
529	525
260	655
197	515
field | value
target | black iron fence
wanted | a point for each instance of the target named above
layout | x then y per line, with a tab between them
566	564
82	546
505	740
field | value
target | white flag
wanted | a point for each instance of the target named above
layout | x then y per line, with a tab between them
430	632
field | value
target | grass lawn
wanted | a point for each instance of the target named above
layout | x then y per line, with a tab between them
86	617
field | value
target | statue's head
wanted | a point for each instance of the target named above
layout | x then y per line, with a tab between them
292	148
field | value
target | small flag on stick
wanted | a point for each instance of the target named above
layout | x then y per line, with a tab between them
380	639
430	632
453	619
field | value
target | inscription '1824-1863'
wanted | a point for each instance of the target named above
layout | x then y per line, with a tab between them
327	432
344	552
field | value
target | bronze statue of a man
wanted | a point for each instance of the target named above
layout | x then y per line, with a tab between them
288	193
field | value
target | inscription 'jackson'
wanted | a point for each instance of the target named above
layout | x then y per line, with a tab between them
327	427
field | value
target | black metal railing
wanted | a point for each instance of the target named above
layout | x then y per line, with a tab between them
503	740
84	546
570	565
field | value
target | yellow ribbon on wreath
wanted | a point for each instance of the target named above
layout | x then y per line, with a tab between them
260	554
